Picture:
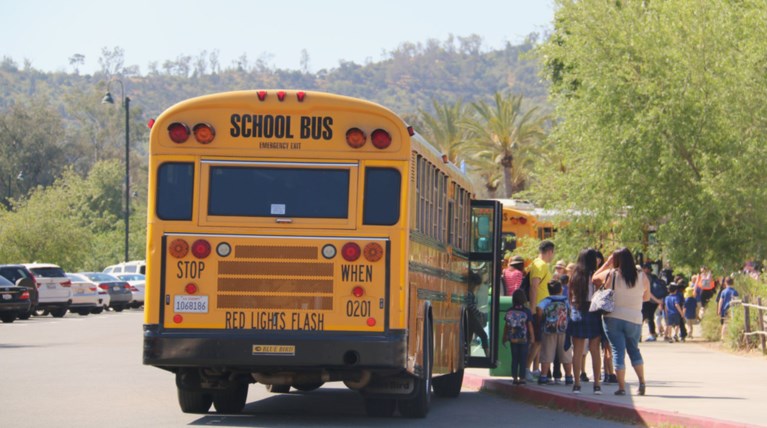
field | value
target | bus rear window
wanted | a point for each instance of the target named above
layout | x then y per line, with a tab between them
278	192
175	184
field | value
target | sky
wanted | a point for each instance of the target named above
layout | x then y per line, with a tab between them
49	32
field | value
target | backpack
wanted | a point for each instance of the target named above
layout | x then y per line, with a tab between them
516	323
555	317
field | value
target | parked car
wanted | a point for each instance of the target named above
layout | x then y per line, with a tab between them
14	300
54	287
137	283
16	274
135	266
85	295
119	290
105	301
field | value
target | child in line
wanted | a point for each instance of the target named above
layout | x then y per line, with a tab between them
723	302
673	313
690	308
519	332
553	315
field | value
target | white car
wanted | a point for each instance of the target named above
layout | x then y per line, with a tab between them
136	266
137	283
85	295
54	287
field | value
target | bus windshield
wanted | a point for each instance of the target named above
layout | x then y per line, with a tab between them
258	191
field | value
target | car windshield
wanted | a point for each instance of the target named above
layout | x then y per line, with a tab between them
49	272
100	277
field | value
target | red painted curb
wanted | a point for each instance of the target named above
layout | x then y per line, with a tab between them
603	409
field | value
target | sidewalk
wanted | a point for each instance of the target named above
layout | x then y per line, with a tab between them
688	385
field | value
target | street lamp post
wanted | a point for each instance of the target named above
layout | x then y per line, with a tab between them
126	103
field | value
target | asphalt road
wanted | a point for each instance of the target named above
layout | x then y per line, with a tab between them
87	372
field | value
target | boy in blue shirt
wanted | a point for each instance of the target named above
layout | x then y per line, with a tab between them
690	308
724	302
673	308
553	312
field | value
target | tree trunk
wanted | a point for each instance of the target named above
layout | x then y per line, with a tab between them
508	181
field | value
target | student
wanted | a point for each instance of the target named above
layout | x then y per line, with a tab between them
539	278
673	313
690	308
552	313
519	332
724	302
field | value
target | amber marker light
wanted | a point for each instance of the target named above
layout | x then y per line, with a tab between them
204	133
178	248
355	138
373	252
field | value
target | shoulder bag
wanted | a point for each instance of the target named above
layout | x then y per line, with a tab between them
603	300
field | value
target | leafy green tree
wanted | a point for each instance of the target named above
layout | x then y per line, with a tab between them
506	136
663	108
443	128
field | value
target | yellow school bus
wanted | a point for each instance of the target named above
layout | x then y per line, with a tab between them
297	238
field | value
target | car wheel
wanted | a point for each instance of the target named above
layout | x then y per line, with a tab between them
231	400
97	310
194	400
25	315
83	312
118	308
58	313
8	317
42	312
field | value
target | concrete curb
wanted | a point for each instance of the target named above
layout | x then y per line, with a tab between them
592	407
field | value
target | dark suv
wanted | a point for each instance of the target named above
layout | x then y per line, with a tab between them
15	273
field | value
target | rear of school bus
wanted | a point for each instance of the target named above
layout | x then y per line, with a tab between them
277	234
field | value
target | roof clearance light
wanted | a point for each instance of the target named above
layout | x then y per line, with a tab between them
355	138
201	248
261	95
204	133
178	248
178	132
281	95
351	251
373	252
150	124
301	95
410	131
380	138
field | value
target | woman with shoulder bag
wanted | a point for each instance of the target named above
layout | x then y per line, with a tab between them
623	325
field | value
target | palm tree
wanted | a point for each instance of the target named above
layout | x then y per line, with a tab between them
502	135
444	127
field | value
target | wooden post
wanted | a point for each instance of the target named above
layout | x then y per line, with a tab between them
747	318
760	321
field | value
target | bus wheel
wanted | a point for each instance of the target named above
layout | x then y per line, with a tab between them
278	389
380	407
448	385
231	400
418	406
306	387
194	400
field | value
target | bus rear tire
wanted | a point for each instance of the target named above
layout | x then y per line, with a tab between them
418	406
194	401
231	400
306	387
380	407
449	385
278	389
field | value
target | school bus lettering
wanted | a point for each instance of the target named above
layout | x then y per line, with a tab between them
280	126
358	308
190	270
267	320
357	273
311	321
235	320
316	127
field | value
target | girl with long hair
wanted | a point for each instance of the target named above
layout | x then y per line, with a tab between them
584	325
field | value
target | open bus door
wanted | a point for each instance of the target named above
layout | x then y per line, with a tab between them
484	283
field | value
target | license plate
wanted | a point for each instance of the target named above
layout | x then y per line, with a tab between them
191	304
7	297
51	286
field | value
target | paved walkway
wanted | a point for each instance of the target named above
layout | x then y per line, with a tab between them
688	384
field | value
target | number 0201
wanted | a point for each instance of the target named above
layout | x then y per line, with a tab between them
358	308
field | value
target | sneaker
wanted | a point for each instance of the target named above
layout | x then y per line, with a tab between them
651	339
529	376
576	389
597	390
584	377
606	378
543	380
620	392
613	378
642	388
676	338
536	374
569	380
557	381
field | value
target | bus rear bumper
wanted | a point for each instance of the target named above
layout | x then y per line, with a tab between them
274	351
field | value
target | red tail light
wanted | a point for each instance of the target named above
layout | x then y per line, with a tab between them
351	251
190	288
204	133
104	287
66	283
522	220
24	295
93	289
380	138
178	319
355	138
132	288
358	291
178	132
201	248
